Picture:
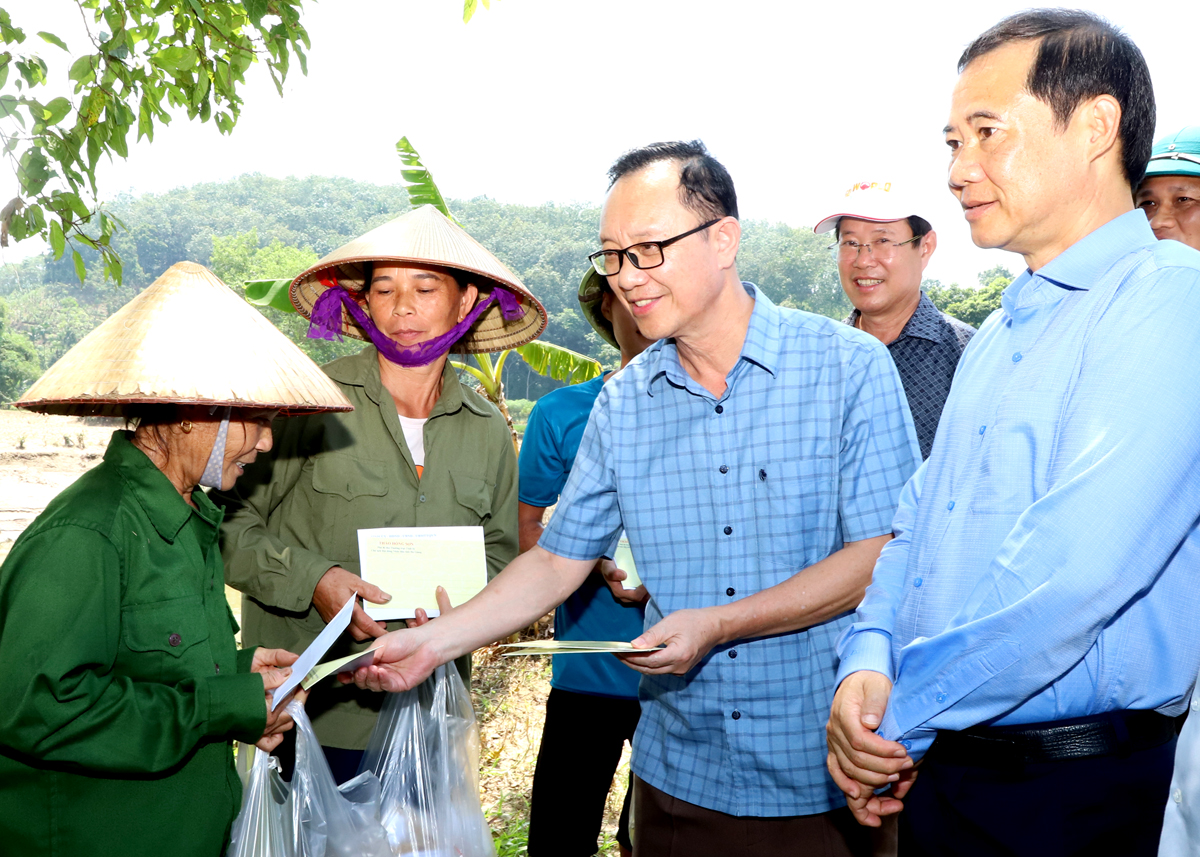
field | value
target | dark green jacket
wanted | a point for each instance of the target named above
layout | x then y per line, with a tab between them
121	683
296	513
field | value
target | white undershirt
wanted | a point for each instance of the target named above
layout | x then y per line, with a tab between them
414	436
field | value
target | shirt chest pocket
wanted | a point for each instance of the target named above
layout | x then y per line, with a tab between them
165	641
473	495
347	493
795	510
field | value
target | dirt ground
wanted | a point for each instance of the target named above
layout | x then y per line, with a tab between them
41	455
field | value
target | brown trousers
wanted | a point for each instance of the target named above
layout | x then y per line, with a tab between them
664	826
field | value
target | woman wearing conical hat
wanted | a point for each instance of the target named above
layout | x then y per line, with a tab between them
123	685
420	448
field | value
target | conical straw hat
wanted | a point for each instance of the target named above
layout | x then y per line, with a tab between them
187	339
426	235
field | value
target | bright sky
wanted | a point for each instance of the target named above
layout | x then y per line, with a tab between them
533	99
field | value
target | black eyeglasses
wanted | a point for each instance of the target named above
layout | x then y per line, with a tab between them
648	254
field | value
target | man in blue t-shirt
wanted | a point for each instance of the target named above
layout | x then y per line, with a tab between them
593	705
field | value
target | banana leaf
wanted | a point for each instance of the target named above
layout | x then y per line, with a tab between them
561	364
422	189
272	293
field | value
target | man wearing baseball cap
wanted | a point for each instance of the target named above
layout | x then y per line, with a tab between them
882	249
1170	192
1170	196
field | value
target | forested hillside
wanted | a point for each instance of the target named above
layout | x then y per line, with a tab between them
260	227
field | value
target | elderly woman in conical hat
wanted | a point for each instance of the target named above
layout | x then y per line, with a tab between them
123	684
420	448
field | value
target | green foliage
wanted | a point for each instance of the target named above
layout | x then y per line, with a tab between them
145	58
422	189
19	364
239	260
561	364
469	7
971	305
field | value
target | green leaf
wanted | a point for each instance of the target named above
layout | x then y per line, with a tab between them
83	70
469	7
175	58
53	39
422	190
255	9
8	105
57	242
80	270
55	111
561	364
272	293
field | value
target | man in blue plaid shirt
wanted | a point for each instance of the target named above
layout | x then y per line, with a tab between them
755	456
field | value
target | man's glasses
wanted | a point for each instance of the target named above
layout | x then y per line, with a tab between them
881	248
648	254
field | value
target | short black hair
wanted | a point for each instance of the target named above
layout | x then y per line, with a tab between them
1080	56
919	225
705	186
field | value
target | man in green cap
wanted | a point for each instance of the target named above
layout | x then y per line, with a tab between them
1170	193
1170	196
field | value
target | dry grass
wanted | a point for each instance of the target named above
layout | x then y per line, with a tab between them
510	701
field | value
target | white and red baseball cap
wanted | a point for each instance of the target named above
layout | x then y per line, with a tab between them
880	201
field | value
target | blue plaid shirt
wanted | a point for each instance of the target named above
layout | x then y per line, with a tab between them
808	448
1045	560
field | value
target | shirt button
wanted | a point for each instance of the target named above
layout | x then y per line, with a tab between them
940	698
730	592
982	429
1017	357
724	468
1196	704
907	745
762	475
218	668
950	506
917	583
728	531
422	498
720	409
174	639
737	715
733	653
1177	796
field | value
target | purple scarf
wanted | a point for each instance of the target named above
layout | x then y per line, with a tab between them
326	323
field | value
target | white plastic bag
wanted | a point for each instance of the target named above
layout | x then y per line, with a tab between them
425	751
311	817
330	820
263	826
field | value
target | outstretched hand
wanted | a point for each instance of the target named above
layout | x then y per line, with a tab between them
688	635
403	659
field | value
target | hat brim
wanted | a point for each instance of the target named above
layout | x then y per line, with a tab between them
591	296
830	222
425	236
1171	167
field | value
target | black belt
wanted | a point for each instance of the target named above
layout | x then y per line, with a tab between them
1110	734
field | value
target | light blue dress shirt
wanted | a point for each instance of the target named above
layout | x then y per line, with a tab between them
1047	558
808	448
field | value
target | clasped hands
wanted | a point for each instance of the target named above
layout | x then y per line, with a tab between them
861	761
274	665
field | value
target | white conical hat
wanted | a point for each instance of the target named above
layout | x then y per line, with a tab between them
426	235
187	339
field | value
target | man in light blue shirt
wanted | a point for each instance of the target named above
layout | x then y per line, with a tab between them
1032	628
754	455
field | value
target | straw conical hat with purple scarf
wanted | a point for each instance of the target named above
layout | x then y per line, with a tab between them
505	316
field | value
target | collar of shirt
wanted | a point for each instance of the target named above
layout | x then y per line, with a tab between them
167	511
760	348
1083	263
362	370
925	323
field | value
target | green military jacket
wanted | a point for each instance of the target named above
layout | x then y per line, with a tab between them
121	682
296	513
